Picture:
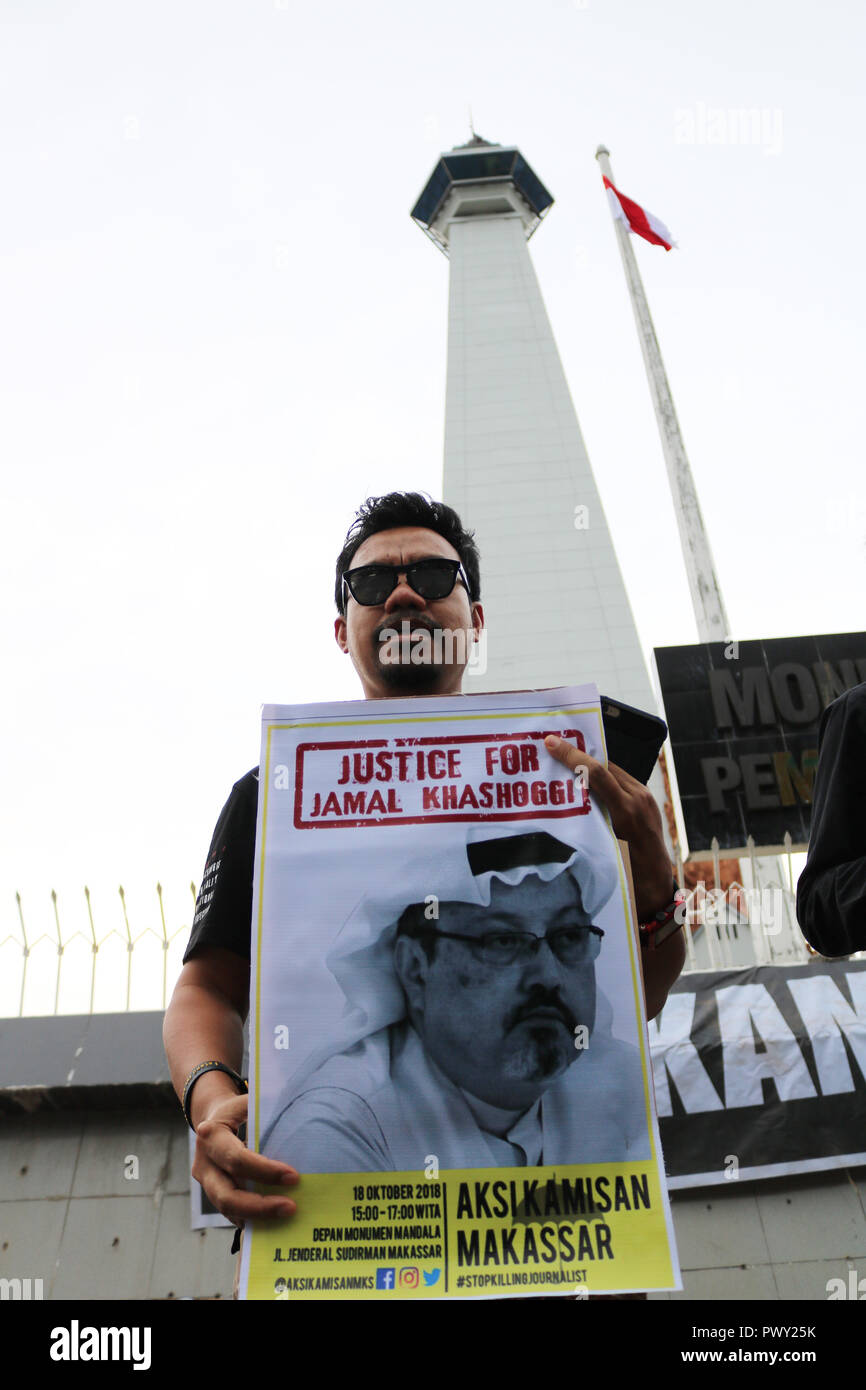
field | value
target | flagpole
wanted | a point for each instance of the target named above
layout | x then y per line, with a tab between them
706	594
709	608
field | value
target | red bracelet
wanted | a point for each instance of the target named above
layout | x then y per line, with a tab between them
664	923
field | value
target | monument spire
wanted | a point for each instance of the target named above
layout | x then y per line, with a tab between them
516	466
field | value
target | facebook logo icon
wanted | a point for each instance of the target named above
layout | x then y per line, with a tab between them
384	1278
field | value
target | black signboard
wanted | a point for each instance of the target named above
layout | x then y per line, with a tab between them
761	1072
743	722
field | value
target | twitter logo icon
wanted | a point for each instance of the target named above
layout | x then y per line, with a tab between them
431	1278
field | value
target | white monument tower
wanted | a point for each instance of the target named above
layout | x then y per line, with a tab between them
516	466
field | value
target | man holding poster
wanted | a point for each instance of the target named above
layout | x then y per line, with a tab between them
393	542
447	1007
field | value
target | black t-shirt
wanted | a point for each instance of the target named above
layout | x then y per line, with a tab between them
224	907
831	891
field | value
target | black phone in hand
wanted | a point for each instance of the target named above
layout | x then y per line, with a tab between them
634	738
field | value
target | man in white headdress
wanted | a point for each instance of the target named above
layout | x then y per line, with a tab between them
476	1034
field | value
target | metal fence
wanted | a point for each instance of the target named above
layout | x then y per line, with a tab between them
727	928
48	961
740	924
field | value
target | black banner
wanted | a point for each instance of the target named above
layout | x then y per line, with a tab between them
761	1072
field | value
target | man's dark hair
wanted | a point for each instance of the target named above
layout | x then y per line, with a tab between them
409	509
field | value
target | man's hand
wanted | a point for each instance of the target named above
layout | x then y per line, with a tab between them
205	1019
223	1163
635	817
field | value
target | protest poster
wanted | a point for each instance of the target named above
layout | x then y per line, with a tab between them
448	1038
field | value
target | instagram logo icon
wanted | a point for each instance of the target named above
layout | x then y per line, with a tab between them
409	1277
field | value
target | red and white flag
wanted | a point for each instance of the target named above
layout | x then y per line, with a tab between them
637	218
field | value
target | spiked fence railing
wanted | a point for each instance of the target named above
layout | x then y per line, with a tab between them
29	940
726	928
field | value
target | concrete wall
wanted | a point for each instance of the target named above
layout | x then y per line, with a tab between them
71	1216
782	1238
94	1164
77	1214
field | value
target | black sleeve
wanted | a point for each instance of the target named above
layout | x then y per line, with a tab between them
831	891
224	907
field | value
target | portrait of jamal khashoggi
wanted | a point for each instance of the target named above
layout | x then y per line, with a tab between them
474	1027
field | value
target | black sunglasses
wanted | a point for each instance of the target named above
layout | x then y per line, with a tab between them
432	579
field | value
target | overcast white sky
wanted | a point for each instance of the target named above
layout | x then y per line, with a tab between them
221	331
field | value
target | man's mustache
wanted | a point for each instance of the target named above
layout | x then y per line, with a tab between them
395	624
542	999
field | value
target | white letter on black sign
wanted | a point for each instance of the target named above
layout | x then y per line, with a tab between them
673	1051
827	1015
739	1007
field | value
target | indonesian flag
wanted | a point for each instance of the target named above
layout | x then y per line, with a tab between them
637	219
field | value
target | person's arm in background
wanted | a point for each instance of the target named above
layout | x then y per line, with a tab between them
203	1023
831	891
661	968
